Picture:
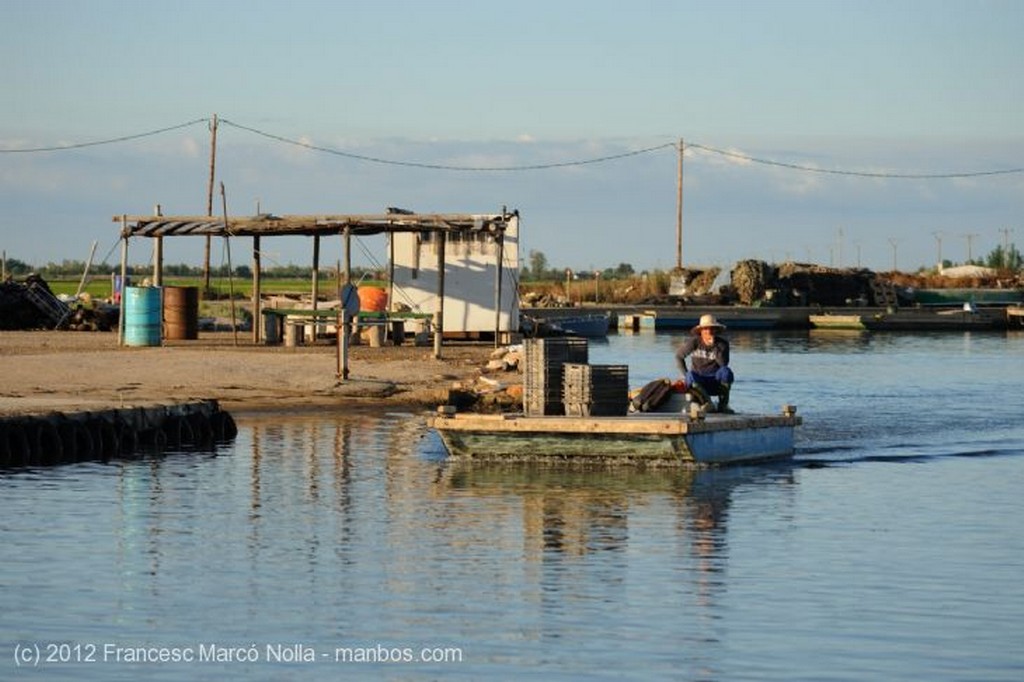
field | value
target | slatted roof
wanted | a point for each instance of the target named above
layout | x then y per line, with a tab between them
395	220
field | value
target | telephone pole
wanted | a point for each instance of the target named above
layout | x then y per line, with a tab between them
1005	260
209	203
970	245
679	208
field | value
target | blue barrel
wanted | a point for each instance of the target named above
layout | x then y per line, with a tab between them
142	316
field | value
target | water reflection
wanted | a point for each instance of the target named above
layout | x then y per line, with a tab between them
361	486
570	512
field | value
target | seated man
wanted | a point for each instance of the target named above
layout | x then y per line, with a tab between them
710	373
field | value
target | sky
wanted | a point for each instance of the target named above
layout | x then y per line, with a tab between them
856	133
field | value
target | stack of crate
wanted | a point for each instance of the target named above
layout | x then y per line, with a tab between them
542	374
595	390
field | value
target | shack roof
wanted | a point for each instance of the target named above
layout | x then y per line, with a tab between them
395	220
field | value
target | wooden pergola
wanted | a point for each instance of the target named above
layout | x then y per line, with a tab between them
157	227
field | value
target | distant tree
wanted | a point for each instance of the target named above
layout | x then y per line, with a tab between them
538	265
623	271
17	268
1004	258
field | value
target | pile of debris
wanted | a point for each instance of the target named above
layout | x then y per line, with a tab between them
756	282
32	305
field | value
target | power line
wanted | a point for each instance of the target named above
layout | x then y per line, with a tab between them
96	143
438	166
861	174
530	167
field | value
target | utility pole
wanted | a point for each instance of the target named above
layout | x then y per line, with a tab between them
893	243
209	203
679	208
970	244
1005	260
938	240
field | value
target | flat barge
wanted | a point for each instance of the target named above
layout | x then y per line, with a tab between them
648	438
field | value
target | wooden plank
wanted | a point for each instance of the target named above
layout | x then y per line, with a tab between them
359	224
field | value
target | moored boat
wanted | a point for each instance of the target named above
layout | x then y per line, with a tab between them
591	326
966	318
831	321
1015	316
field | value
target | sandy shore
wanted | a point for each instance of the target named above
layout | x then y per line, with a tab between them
43	371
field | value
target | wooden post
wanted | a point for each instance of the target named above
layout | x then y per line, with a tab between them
257	314
231	275
500	258
346	319
85	272
124	276
315	276
158	255
439	313
391	271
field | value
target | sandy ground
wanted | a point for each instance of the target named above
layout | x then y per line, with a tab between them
43	371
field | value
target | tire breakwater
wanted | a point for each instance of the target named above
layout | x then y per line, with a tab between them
63	438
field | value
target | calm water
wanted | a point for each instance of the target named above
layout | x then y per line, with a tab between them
891	548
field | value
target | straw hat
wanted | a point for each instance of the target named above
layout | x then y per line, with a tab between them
707	321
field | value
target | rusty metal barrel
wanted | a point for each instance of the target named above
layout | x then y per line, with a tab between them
181	312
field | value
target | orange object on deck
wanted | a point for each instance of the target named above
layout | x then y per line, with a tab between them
373	299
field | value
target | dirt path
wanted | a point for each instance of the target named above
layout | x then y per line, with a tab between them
44	371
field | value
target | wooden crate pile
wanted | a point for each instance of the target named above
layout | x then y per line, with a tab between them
542	379
595	390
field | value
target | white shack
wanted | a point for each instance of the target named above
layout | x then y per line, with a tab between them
479	278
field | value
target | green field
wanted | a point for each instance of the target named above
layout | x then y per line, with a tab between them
101	288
